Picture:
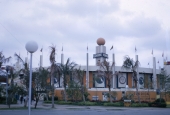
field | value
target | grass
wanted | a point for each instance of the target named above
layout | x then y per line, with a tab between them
168	106
15	108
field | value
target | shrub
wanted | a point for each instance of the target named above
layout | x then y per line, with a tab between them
160	100
139	105
116	104
158	103
2	100
49	98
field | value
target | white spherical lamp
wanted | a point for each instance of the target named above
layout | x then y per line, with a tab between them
31	46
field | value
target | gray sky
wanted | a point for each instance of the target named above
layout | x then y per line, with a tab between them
76	23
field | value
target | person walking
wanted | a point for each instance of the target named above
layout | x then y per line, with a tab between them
24	99
21	99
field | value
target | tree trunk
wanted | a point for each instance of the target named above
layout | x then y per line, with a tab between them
82	92
138	94
36	101
65	95
52	92
149	94
110	97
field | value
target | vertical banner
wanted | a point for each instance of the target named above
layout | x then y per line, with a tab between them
122	79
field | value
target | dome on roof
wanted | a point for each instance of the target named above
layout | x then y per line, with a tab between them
100	41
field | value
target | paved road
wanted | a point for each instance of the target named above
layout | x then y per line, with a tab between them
79	111
45	109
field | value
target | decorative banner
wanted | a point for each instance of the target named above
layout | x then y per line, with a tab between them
141	81
122	78
100	81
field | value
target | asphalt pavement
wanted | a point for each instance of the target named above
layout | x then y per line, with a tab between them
46	109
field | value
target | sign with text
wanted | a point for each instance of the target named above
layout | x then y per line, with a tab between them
100	55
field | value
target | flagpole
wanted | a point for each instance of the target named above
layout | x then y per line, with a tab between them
163	58
87	69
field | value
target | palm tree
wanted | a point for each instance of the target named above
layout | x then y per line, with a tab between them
52	70
132	65
55	70
106	72
79	75
3	59
40	77
66	70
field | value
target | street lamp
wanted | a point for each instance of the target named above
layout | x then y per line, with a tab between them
126	87
31	47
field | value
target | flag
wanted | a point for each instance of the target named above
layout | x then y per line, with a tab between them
41	49
111	47
62	48
135	49
163	54
148	63
152	52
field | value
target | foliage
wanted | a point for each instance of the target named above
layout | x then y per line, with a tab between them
107	72
49	99
116	104
3	59
40	77
164	82
160	102
128	96
12	90
73	91
52	61
139	105
24	75
132	65
78	77
67	71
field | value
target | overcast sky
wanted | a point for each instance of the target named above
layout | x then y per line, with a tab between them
74	24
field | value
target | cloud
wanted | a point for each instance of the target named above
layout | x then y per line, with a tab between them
124	24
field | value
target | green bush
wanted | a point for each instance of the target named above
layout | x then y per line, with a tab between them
116	104
87	103
158	103
139	105
160	100
2	100
50	99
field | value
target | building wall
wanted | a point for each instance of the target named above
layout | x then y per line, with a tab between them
144	95
130	80
90	80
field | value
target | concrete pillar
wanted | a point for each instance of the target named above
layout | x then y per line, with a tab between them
41	60
87	71
154	79
137	70
113	70
61	78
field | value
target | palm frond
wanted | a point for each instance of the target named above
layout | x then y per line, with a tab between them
3	59
52	54
19	58
128	63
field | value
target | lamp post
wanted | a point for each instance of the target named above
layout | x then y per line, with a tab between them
126	87
31	47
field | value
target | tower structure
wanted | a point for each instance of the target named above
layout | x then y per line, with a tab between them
100	51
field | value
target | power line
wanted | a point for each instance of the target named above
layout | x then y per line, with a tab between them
14	37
